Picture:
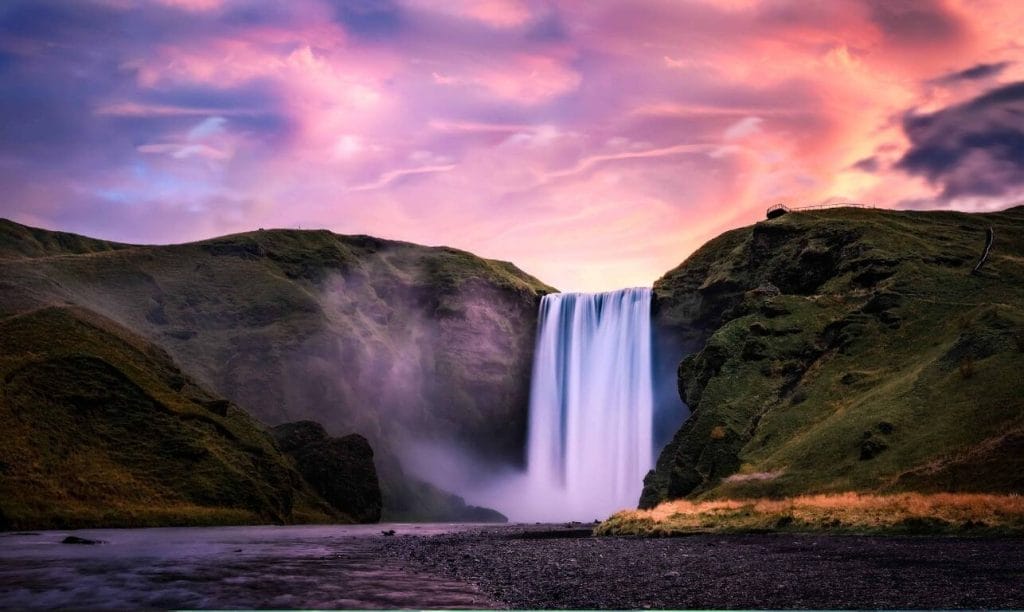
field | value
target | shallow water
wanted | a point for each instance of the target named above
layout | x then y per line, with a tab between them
223	567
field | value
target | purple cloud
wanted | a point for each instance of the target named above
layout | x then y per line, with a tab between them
595	144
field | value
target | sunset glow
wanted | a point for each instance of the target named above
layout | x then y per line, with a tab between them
594	144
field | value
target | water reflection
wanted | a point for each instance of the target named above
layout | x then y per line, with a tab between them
222	567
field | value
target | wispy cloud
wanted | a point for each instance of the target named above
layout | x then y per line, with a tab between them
136	109
185	151
391	176
588	163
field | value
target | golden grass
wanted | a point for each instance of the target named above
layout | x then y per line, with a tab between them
844	512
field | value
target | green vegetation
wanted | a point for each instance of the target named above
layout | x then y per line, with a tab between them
849	350
390	340
18	241
102	429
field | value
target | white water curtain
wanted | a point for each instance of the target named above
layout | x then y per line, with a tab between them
589	442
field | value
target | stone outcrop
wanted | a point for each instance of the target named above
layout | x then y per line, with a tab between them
340	470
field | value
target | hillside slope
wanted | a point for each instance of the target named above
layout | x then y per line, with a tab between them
102	429
400	343
849	350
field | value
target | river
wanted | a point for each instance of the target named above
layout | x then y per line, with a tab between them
517	566
223	567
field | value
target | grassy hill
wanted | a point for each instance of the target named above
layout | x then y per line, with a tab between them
848	350
102	429
398	342
18	241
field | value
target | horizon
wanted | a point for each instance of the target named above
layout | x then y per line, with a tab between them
594	146
558	290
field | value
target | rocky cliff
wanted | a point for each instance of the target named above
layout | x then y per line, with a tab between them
400	343
848	349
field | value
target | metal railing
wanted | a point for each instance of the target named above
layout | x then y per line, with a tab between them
778	210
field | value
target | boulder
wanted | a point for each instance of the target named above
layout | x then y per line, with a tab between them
340	470
78	540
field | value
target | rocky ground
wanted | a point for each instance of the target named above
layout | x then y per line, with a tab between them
565	567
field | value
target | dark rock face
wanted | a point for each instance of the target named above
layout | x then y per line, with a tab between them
764	261
870	448
748	273
340	470
431	343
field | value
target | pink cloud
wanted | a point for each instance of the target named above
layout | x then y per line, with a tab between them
193	5
595	144
590	162
526	79
134	109
495	13
390	176
186	150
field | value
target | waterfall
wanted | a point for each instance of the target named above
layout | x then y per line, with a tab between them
589	441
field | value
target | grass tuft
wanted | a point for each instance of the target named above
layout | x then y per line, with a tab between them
842	513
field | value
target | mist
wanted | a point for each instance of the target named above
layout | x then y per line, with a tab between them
598	399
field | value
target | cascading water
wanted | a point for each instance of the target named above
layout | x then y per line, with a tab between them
589	443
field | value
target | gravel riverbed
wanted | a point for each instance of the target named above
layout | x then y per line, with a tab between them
565	567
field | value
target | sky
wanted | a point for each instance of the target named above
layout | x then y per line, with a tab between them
595	144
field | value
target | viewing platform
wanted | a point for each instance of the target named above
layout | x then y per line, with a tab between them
780	209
